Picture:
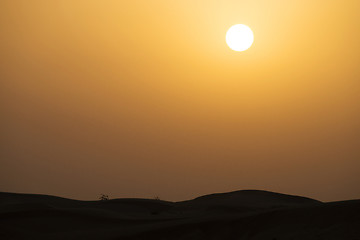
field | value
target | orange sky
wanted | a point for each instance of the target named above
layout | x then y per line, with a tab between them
144	98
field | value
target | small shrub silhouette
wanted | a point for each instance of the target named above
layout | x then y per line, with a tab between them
155	212
103	197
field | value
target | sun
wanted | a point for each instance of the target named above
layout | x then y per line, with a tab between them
239	37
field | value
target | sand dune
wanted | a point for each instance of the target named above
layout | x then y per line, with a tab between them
248	214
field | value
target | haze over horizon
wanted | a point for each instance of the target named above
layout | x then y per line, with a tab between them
144	99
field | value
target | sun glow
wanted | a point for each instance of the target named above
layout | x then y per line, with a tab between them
239	37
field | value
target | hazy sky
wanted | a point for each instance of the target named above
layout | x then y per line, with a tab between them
144	98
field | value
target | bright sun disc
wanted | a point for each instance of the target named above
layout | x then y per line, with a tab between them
239	37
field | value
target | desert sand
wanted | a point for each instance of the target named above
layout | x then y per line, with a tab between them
246	214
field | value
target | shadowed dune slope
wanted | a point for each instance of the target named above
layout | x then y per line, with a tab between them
246	214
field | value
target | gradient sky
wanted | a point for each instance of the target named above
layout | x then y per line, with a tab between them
144	98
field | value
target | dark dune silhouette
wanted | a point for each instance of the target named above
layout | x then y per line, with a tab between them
247	214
